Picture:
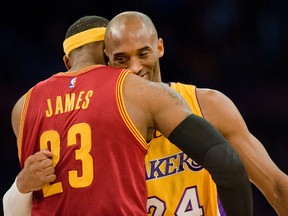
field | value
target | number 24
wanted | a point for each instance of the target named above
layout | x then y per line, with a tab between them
188	206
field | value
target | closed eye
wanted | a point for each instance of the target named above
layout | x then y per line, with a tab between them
120	60
143	54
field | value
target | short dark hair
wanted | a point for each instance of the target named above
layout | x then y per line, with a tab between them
85	23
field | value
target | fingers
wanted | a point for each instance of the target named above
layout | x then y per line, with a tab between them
47	162
47	153
38	171
40	165
35	176
50	178
44	155
43	168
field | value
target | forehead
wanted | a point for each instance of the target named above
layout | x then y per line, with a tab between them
130	38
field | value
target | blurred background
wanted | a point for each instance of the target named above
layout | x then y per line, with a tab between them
238	47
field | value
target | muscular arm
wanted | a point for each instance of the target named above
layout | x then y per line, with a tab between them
164	109
38	171
221	112
16	115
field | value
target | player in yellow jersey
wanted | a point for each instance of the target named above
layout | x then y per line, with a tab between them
125	103
192	191
132	42
140	53
201	184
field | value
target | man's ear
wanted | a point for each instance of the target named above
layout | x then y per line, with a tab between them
160	47
66	61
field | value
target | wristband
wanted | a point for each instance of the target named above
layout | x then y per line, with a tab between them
16	203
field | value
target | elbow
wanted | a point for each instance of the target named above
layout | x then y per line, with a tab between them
231	171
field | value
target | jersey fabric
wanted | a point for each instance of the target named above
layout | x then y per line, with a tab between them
176	184
98	153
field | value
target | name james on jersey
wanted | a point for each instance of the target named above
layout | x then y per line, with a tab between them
71	101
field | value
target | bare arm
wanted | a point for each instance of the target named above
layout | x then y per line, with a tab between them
16	115
38	169
154	105
149	104
37	172
221	112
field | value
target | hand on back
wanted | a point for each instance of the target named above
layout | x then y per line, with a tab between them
38	171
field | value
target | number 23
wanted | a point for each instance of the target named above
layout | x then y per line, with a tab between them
82	154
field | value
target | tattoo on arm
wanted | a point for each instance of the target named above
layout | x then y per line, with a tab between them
173	94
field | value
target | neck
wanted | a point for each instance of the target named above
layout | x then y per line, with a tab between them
88	55
82	61
157	73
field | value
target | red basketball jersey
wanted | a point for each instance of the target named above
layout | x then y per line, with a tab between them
98	152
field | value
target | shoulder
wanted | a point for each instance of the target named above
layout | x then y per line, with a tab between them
152	95
144	86
214	99
219	110
210	94
16	114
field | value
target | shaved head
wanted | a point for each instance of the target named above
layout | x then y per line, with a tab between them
131	41
132	18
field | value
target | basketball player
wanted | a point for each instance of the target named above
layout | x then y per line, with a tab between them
96	121
132	42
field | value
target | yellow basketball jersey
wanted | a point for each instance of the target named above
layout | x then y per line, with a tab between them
176	184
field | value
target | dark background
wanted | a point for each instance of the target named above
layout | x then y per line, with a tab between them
238	47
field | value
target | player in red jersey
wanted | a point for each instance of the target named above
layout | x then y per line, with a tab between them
96	120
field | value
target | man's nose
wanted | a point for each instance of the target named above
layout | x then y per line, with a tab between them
135	65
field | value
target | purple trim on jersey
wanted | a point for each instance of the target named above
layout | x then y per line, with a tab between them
220	207
198	102
169	83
